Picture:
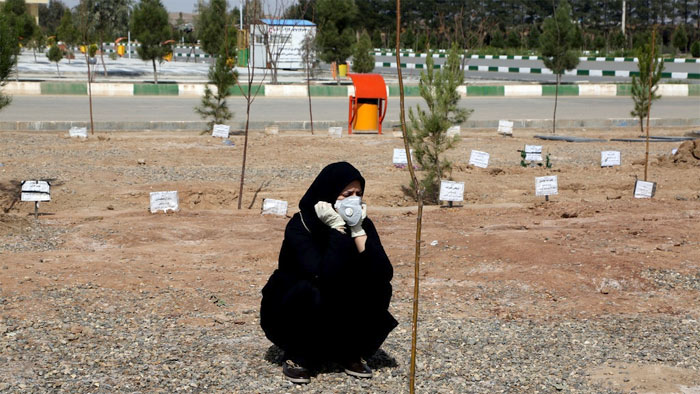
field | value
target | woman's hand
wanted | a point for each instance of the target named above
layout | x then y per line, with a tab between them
327	214
357	230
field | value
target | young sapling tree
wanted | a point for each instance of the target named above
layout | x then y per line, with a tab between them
150	26
557	43
214	106
428	130
650	68
55	54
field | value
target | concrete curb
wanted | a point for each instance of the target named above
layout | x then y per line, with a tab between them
543	70
298	90
443	55
321	127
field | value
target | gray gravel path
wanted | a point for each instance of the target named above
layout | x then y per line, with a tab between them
85	347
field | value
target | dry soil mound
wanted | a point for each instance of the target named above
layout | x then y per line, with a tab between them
688	153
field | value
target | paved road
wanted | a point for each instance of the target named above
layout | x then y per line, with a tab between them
67	108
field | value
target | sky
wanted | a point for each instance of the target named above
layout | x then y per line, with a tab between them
179	5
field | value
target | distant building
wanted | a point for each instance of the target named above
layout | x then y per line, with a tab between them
33	7
187	18
279	41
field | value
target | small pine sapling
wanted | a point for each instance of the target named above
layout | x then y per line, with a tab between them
213	105
650	69
427	133
557	44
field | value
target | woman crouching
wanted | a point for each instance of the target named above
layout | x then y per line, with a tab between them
328	299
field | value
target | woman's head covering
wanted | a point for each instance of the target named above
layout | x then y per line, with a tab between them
327	187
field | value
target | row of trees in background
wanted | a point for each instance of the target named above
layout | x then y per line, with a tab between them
9	48
496	26
90	23
489	26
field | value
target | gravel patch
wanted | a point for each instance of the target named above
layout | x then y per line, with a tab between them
33	237
82	345
669	279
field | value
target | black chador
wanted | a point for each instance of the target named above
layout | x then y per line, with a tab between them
326	301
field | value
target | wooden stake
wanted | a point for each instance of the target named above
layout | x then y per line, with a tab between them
36	210
651	75
419	195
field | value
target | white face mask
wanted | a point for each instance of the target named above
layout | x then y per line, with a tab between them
350	209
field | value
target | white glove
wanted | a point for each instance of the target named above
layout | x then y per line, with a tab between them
357	230
327	214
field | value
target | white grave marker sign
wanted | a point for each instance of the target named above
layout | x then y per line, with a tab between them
643	189
80	132
336	132
454	131
533	152
221	130
505	127
164	201
400	158
546	186
36	191
274	207
479	159
451	191
609	158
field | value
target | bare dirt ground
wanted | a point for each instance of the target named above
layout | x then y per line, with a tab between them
593	291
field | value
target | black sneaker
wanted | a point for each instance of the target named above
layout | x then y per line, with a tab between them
295	373
358	368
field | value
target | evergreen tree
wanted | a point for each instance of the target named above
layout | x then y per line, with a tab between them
37	42
50	16
377	39
408	39
556	44
695	49
111	20
497	39
213	106
335	34
211	28
513	39
9	47
149	24
617	40
533	38
67	33
649	65
578	41
427	133
422	42
680	38
23	24
362	58
55	54
599	42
